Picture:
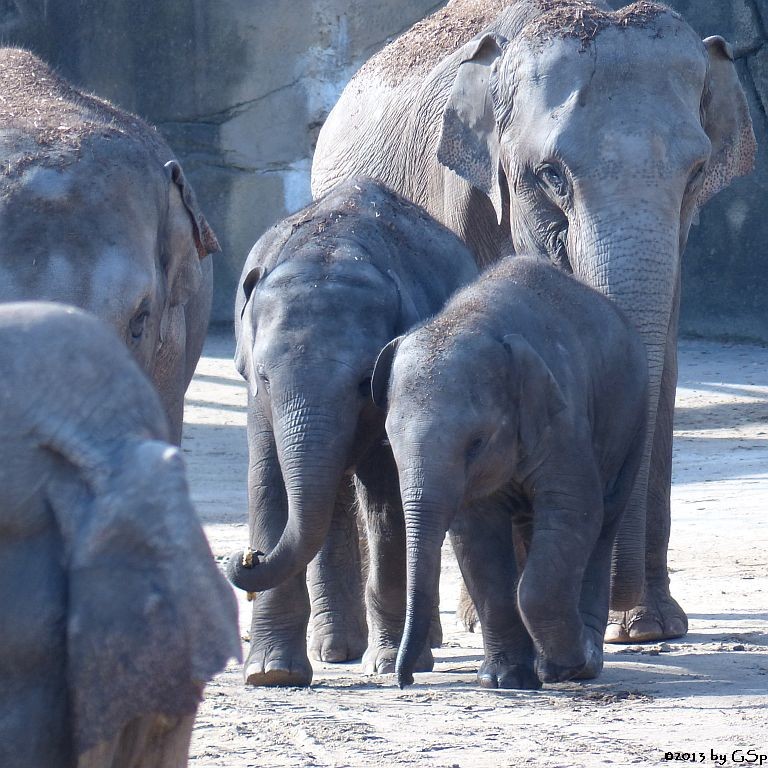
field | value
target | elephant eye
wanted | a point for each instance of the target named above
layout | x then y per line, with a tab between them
554	179
137	325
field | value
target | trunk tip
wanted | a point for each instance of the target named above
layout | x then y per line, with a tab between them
238	565
403	679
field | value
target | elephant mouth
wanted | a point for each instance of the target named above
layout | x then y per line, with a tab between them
559	252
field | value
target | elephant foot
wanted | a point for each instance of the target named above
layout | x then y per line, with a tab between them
594	665
334	645
379	660
466	613
276	666
659	617
550	672
502	672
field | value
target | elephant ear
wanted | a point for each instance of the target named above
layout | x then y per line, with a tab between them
409	314
382	371
539	397
469	139
150	619
244	329
189	238
726	120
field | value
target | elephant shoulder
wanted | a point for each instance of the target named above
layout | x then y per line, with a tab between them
55	119
424	45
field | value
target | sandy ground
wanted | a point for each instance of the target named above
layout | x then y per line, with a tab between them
705	695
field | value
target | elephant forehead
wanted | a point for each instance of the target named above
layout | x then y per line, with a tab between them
625	99
104	282
350	284
547	74
448	358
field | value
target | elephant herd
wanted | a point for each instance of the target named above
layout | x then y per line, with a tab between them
471	330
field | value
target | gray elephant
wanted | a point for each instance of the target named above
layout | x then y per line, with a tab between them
521	407
95	212
114	614
322	292
592	137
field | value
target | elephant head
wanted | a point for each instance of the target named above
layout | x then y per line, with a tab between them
96	212
597	135
307	341
137	558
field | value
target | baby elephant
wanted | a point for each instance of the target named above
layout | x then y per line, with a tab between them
322	292
112	610
520	409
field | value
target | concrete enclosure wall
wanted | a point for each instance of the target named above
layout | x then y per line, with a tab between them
240	89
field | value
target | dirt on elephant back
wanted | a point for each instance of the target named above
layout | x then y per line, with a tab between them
703	694
422	46
429	41
584	21
52	119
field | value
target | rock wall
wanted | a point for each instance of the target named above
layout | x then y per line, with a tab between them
240	89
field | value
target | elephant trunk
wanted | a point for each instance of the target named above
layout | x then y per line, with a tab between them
312	445
637	265
426	522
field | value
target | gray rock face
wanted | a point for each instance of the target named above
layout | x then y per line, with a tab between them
240	89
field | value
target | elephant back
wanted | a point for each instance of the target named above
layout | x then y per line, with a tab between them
47	122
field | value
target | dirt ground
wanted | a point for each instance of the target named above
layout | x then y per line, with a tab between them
705	695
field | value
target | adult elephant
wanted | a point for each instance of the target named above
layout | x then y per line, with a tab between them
95	211
587	135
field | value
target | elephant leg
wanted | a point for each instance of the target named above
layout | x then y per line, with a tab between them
658	616
482	540
466	613
339	631
595	597
568	515
378	494
278	645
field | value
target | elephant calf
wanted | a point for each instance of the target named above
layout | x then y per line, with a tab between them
113	612
520	408
321	293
